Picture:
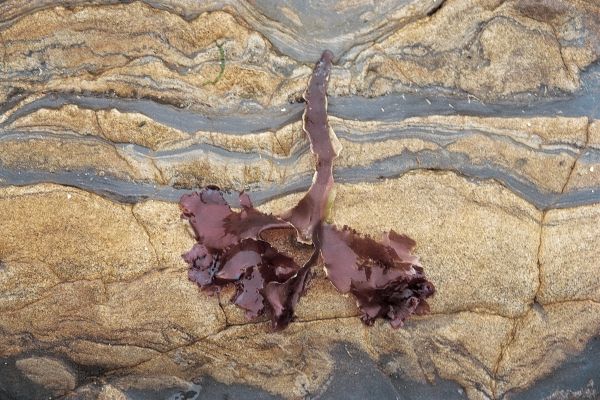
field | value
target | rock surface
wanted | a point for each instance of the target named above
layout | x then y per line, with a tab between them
48	373
481	141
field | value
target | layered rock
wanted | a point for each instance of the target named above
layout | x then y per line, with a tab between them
485	149
215	55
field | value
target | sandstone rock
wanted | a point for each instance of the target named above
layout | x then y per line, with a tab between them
122	323
490	50
545	337
51	374
111	393
467	249
569	255
586	171
45	153
536	153
109	279
112	125
462	347
594	134
76	235
485	150
182	67
169	235
24	282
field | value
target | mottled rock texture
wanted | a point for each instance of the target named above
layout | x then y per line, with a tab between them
471	126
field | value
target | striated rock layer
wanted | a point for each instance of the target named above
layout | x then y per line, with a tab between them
251	54
484	146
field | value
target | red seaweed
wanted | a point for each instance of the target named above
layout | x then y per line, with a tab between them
387	281
385	278
310	210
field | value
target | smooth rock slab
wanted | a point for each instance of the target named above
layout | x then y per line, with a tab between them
74	234
95	274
